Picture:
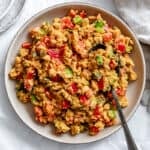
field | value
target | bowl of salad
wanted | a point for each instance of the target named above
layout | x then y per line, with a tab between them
61	67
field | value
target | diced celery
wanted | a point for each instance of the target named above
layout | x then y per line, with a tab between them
33	100
42	32
68	72
77	20
99	60
100	30
99	24
112	114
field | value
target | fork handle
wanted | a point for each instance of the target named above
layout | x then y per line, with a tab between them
130	141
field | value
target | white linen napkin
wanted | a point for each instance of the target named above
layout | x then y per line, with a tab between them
136	13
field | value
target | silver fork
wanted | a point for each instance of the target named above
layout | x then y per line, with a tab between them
129	139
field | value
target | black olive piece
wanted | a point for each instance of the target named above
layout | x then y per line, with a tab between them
102	46
117	69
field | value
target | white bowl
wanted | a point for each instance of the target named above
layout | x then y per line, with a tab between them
134	91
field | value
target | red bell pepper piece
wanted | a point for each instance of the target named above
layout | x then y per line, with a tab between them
96	111
30	74
94	129
26	45
65	104
74	87
67	23
83	99
56	52
121	47
112	65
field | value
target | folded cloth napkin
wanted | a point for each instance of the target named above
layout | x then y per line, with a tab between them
136	13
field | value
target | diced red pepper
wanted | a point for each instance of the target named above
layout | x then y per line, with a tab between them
30	74
120	92
83	14
96	111
65	104
112	65
67	23
26	45
121	47
56	52
107	37
94	129
101	84
74	87
83	99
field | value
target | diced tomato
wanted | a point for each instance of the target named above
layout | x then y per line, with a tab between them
83	14
121	47
74	87
107	37
26	45
65	104
56	52
112	64
96	111
67	23
94	129
101	84
83	99
120	92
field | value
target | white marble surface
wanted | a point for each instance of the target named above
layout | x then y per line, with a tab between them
14	135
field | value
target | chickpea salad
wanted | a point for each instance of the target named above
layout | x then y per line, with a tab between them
67	69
